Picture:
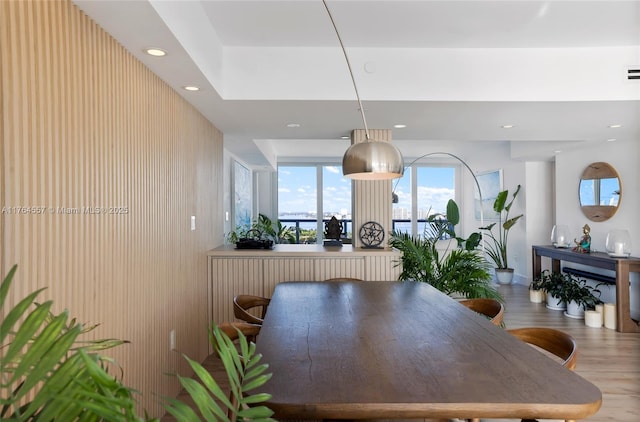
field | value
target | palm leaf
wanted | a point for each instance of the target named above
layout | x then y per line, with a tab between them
43	361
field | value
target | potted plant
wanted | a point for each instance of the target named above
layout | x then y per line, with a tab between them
579	296
498	242
461	270
261	234
536	293
553	284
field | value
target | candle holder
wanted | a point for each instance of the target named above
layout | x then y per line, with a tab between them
560	236
618	243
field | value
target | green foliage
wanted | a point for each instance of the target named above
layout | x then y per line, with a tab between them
567	288
264	229
245	373
47	374
497	246
461	271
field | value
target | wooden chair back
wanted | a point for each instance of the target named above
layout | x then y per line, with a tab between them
243	303
553	341
344	279
491	308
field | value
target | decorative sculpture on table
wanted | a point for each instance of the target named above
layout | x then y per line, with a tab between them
584	245
333	232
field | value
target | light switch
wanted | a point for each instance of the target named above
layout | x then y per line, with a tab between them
193	222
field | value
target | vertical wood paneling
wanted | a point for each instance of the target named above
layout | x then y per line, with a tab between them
330	268
231	277
371	198
382	267
109	164
277	270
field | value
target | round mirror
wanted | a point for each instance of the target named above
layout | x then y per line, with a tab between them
600	191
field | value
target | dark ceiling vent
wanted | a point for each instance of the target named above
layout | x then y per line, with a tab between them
633	73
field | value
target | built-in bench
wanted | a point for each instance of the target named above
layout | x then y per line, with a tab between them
591	276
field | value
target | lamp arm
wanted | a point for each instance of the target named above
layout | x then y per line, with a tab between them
353	79
475	179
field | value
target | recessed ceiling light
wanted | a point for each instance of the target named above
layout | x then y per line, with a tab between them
507	126
558	151
611	140
293	124
615	126
345	137
157	52
399	126
191	88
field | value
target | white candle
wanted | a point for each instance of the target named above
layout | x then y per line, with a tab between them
593	319
610	315
600	308
619	248
560	240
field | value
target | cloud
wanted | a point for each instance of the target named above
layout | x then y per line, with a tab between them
284	190
333	169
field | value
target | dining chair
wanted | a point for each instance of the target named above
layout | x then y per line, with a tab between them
344	279
242	304
232	329
491	308
553	341
556	342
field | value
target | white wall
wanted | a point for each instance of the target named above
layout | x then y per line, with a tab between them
624	156
513	174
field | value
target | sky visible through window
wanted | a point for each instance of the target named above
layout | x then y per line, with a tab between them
297	191
435	188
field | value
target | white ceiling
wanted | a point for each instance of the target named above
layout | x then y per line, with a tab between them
454	72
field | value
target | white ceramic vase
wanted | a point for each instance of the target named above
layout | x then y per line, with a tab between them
555	304
574	310
504	275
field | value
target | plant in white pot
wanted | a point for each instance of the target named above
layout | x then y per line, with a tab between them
496	245
579	296
554	285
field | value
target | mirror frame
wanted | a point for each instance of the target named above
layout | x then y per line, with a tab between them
597	171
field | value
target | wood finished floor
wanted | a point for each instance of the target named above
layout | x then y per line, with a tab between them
608	359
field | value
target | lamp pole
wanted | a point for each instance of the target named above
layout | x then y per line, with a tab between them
464	163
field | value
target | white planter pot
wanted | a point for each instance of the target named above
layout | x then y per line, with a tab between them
574	310
536	296
555	304
504	275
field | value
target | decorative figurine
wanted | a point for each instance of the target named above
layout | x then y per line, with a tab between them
584	245
333	232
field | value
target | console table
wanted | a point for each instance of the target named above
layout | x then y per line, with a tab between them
621	266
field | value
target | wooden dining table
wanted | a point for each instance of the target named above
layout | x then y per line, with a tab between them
363	350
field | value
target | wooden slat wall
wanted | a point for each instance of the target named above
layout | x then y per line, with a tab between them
382	268
85	124
345	267
233	276
371	198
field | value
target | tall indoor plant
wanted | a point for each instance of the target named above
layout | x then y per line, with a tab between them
459	271
497	243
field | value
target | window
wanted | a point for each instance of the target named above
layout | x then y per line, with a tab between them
422	191
306	192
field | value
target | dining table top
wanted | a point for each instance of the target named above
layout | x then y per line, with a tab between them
362	350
